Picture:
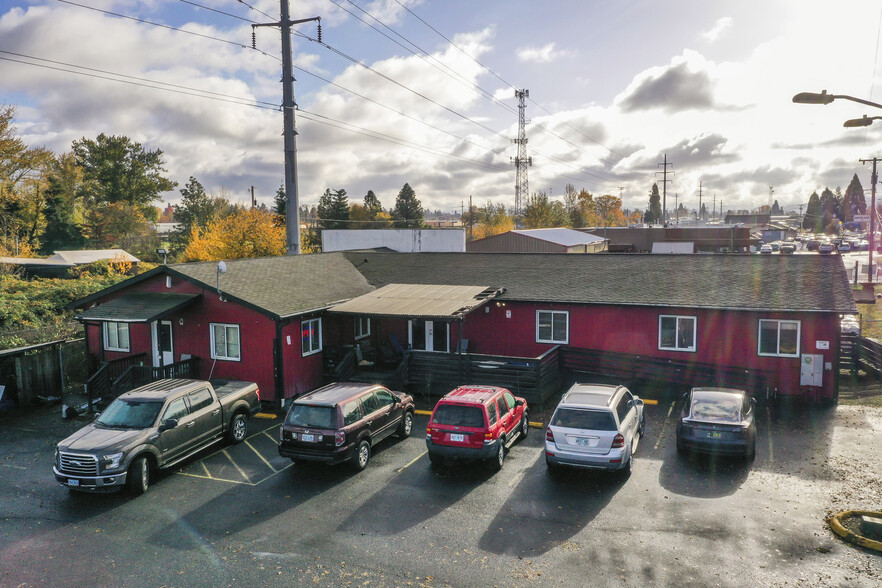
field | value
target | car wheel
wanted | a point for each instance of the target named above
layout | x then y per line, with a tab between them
553	468
362	455
525	426
642	426
680	449
750	454
238	428
499	459
436	460
139	476
625	472
406	425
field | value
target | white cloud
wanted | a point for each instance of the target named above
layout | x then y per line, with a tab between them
719	27
545	54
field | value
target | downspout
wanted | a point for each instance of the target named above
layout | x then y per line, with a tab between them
279	366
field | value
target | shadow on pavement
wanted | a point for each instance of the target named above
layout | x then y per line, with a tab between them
426	490
546	510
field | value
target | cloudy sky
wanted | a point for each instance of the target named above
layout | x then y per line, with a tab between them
422	91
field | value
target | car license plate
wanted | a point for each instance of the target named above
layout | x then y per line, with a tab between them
73	482
308	438
583	441
457	437
714	434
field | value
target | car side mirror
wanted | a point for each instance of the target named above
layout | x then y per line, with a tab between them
168	424
519	402
639	402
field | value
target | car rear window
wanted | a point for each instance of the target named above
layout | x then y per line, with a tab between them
459	416
594	420
307	415
717	407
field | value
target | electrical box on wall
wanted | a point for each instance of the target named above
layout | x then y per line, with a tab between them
507	314
811	371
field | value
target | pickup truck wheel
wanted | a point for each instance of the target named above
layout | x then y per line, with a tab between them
406	425
238	428
139	476
362	455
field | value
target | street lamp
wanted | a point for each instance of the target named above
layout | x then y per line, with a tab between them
825	98
864	121
164	254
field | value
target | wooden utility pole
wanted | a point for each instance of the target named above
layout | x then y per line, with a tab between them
665	181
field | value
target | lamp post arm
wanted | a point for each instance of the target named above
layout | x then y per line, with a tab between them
859	100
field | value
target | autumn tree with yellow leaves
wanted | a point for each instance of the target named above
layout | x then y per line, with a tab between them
243	234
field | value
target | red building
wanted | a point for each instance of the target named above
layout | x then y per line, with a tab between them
766	322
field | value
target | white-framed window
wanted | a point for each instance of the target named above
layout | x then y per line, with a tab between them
116	337
553	326
778	338
225	343
677	333
311	336
362	327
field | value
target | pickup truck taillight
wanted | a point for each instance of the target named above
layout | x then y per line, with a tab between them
339	438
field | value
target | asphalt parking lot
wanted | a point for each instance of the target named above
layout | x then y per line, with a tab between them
243	515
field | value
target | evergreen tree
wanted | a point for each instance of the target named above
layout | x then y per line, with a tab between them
333	210
408	212
812	218
280	204
62	231
829	212
196	210
854	202
653	214
372	204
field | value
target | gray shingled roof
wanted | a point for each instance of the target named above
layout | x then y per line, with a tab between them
283	286
138	307
813	283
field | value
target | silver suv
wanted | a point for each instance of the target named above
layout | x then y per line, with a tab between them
595	426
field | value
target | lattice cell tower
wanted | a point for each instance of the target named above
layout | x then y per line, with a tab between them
522	162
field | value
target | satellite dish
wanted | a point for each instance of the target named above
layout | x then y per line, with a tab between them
221	267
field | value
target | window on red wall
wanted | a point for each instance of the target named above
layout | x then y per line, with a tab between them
311	336
677	333
552	326
779	338
225	342
362	327
116	336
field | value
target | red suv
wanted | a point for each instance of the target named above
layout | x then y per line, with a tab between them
476	422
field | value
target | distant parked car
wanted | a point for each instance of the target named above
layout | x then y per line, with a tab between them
826	248
766	249
788	248
343	422
717	421
476	423
844	248
595	426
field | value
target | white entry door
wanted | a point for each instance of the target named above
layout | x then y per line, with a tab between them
429	335
163	346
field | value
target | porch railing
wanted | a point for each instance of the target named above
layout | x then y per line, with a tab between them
99	385
138	375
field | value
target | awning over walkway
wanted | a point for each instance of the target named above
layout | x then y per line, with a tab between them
138	307
418	301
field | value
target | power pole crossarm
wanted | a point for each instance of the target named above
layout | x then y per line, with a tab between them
292	206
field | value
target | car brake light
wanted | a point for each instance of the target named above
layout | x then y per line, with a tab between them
339	438
258	394
549	436
488	436
618	441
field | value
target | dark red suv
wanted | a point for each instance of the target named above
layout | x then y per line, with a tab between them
343	422
476	422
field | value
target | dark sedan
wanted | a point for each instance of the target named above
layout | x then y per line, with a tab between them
718	421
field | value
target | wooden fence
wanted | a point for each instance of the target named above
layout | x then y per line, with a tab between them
42	372
534	378
628	367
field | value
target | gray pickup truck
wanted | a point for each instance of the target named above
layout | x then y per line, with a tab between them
154	427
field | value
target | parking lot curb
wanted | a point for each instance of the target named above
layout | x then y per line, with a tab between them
836	525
